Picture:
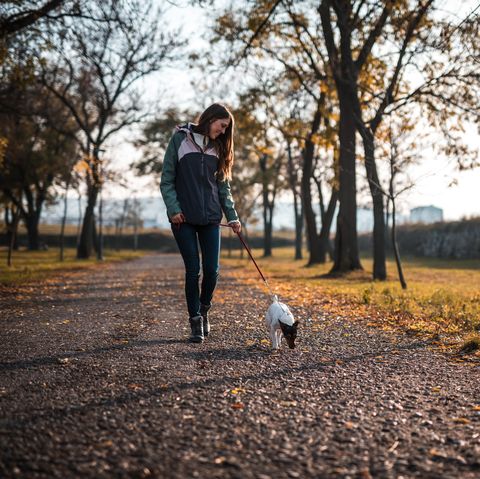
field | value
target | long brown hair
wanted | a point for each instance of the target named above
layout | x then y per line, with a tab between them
224	142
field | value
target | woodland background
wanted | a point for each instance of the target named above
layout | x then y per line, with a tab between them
331	99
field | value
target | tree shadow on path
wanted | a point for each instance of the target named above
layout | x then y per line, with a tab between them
57	359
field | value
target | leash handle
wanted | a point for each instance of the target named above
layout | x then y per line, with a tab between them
244	243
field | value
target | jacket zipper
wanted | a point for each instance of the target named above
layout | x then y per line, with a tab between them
203	177
204	189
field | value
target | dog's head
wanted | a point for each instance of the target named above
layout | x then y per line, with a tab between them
290	333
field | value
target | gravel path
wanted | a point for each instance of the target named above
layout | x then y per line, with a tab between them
96	380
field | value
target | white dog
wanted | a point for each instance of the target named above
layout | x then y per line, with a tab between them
280	321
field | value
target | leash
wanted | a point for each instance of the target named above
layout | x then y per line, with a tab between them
249	251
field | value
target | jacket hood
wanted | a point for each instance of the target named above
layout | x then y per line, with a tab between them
187	128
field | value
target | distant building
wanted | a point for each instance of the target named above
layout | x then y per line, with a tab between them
426	214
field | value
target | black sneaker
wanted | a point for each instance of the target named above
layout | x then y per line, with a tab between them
204	313
196	323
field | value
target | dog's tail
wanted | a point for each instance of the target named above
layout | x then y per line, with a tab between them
274	298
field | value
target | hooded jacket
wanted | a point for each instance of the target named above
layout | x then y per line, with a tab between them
189	182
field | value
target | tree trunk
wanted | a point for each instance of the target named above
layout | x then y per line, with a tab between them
88	234
100	229
379	254
311	224
9	218
395	249
268	205
13	237
325	246
346	240
64	220
268	229
298	211
31	221
135	235
327	218
297	205
79	224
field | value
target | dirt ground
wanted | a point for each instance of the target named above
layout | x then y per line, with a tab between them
97	380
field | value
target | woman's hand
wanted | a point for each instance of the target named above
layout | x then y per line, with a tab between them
178	218
236	226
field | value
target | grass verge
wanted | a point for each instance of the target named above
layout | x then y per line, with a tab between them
35	265
442	301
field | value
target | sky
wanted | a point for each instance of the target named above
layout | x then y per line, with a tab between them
437	182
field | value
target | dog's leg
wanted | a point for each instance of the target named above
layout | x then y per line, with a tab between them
268	323
279	337
273	337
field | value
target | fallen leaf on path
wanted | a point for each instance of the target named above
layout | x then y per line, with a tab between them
461	420
237	390
365	474
134	387
436	453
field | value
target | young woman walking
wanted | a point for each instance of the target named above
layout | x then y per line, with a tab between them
195	188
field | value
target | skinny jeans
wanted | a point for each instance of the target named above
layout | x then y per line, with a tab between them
188	238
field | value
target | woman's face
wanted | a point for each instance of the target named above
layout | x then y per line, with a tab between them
218	127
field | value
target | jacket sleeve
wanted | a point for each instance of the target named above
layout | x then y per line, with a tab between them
167	182
226	201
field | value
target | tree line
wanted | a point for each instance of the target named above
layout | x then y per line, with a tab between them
335	89
70	72
323	92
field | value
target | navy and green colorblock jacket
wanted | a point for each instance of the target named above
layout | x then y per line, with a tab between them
189	183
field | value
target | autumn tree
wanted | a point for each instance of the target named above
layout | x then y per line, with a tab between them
282	36
153	141
268	149
290	128
96	70
20	16
366	87
16	16
35	154
249	134
367	48
399	149
449	91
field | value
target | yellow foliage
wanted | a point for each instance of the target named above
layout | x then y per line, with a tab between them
3	148
81	166
39	265
443	298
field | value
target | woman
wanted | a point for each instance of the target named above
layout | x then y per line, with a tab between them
195	187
